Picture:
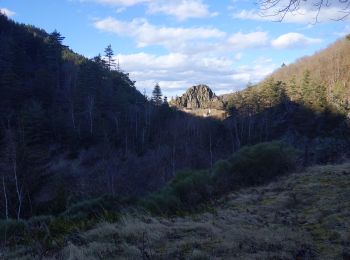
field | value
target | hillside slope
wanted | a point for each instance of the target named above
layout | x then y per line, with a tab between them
320	82
305	103
74	128
329	67
324	73
304	215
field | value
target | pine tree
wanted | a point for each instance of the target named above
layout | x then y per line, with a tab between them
157	95
109	55
306	88
54	56
294	90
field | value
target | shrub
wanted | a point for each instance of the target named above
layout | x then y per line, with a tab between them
192	187
40	232
251	165
329	150
222	176
182	194
40	220
259	163
94	208
12	229
163	202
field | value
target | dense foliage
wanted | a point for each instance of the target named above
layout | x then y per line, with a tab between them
320	79
298	113
54	101
251	165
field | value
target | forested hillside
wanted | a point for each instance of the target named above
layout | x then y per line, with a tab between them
319	82
324	75
53	102
305	103
74	128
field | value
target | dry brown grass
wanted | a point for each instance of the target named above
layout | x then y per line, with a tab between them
304	214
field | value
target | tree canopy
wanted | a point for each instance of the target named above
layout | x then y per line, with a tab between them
157	95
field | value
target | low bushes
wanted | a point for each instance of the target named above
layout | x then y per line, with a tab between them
184	192
12	229
252	165
51	231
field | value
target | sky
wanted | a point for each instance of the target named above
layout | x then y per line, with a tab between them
225	44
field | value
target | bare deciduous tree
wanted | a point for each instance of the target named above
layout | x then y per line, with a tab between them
5	195
11	154
280	8
90	110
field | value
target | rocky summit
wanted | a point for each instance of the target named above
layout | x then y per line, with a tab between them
198	97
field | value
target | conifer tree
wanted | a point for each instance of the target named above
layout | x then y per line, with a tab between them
157	95
306	88
109	55
294	90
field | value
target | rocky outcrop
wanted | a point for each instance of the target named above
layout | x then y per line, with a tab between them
196	97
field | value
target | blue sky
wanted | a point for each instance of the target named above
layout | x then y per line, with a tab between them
179	43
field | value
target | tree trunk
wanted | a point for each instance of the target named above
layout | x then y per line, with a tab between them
18	191
173	160
5	196
211	152
73	116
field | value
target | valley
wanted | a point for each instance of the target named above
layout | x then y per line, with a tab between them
91	167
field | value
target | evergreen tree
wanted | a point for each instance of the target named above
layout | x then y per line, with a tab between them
157	95
54	56
294	90
306	88
320	102
109	55
56	37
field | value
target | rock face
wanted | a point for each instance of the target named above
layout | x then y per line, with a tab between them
196	97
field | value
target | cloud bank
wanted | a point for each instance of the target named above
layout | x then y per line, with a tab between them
196	55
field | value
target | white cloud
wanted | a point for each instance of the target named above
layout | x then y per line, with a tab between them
121	2
7	12
175	72
147	34
248	40
196	40
291	40
196	55
181	9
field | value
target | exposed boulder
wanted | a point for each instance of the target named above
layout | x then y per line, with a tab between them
196	97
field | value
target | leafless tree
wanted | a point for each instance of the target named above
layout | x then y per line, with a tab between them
5	195
280	8
11	154
90	110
